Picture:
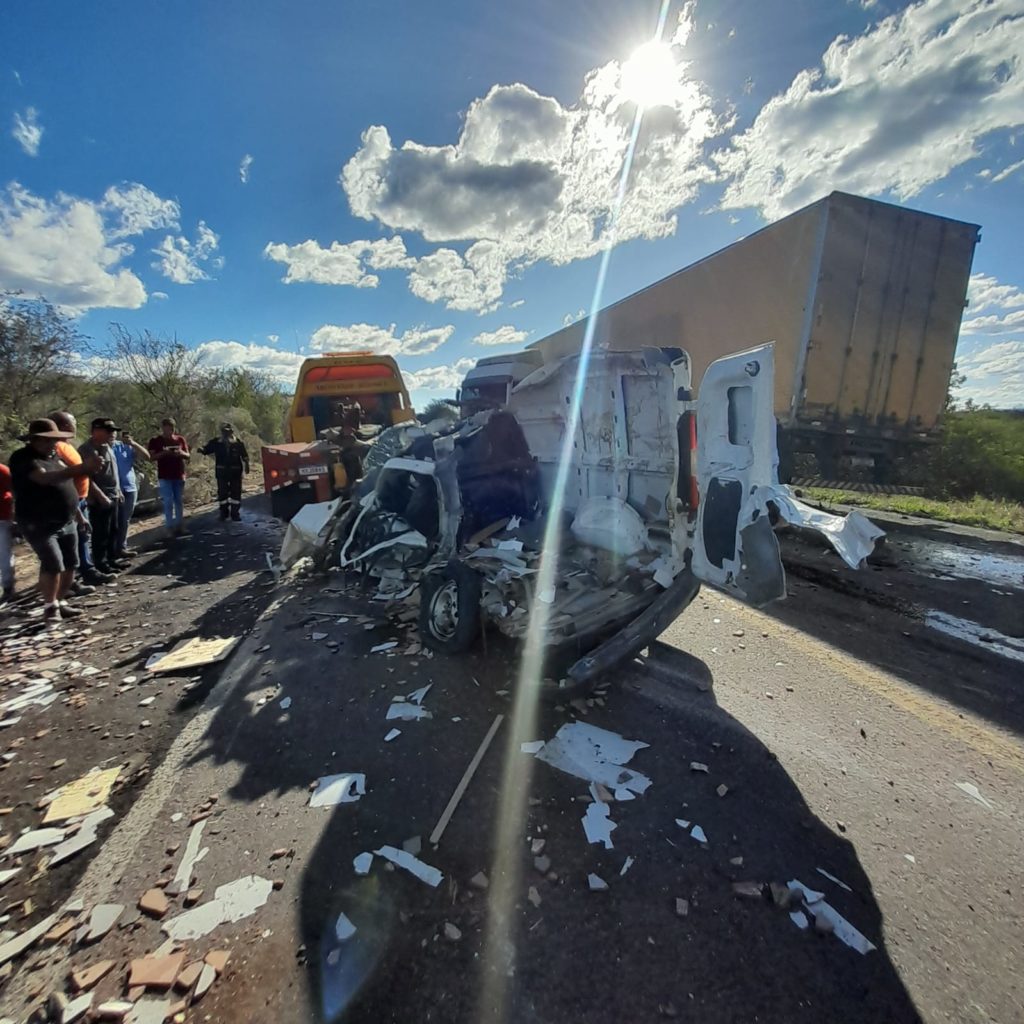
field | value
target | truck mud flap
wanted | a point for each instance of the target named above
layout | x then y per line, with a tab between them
633	638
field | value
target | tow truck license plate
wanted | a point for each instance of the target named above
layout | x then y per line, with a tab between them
312	470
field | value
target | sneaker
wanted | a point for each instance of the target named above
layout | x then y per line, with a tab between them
51	613
120	563
108	570
80	588
67	611
127	553
94	576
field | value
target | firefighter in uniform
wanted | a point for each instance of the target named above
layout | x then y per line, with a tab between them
232	461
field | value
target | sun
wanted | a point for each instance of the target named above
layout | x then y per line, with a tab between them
650	77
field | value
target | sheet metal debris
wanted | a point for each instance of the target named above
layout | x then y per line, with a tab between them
332	790
424	872
820	910
596	755
232	902
597	822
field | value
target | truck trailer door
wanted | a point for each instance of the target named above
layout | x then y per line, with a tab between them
734	546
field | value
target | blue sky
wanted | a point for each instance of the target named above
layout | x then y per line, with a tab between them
267	180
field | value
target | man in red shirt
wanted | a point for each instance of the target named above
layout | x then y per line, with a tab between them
6	540
169	450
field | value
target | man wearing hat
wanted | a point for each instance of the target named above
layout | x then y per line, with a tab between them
46	508
232	461
103	508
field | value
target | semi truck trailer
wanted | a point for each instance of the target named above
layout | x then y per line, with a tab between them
863	301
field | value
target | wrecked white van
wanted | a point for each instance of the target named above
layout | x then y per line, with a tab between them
659	491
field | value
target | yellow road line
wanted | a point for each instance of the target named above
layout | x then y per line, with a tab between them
963	726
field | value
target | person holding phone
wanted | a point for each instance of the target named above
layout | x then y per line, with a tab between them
169	450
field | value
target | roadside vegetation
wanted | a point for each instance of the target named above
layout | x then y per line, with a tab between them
137	378
975	476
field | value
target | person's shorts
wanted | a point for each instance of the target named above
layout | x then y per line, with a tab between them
56	548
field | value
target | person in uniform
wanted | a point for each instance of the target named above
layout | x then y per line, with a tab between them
232	463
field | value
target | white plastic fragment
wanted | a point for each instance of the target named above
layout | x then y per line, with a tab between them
627	864
285	704
416	697
596	883
698	833
393	734
190	858
597	823
35	840
344	929
332	790
832	878
974	793
682	823
799	918
842	929
596	755
388	645
424	872
19	943
362	863
232	902
403	711
85	836
317	636
532	747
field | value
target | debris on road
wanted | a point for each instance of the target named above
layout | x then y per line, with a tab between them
596	755
194	653
81	797
446	814
404	711
974	793
392	734
597	823
362	863
102	918
424	872
344	929
626	865
231	902
596	883
832	878
698	833
332	790
821	911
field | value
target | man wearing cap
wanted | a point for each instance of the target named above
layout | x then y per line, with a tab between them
231	461
103	513
88	576
46	507
169	450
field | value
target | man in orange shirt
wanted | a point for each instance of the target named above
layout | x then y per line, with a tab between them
68	454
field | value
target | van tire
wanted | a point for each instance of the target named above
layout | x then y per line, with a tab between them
450	609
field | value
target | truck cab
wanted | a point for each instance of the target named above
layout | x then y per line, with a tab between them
489	384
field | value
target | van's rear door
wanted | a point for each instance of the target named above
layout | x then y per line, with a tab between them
734	546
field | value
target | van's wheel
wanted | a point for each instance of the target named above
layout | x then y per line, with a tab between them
450	609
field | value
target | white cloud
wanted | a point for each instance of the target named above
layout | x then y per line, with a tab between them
344	263
517	304
418	341
1007	171
471	282
995	375
1004	304
63	249
182	261
158	295
283	367
273	338
243	168
136	208
438	378
27	131
529	179
889	111
571	318
505	335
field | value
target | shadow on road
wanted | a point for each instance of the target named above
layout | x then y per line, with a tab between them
877	614
624	954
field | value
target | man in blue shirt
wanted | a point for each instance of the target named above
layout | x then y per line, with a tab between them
126	451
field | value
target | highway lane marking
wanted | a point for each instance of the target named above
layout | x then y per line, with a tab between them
963	726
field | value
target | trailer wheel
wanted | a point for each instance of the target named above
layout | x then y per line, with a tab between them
450	609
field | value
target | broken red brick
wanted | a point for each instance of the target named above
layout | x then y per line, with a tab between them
154	903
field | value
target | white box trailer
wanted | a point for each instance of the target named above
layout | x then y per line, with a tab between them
863	301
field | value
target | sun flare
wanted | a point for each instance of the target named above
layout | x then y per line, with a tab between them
650	77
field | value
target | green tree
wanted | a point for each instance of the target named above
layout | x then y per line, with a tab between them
38	343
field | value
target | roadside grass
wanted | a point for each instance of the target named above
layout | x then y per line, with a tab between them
988	513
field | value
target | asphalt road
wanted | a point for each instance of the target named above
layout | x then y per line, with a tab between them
840	722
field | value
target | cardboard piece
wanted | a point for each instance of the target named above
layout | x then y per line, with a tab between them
194	653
